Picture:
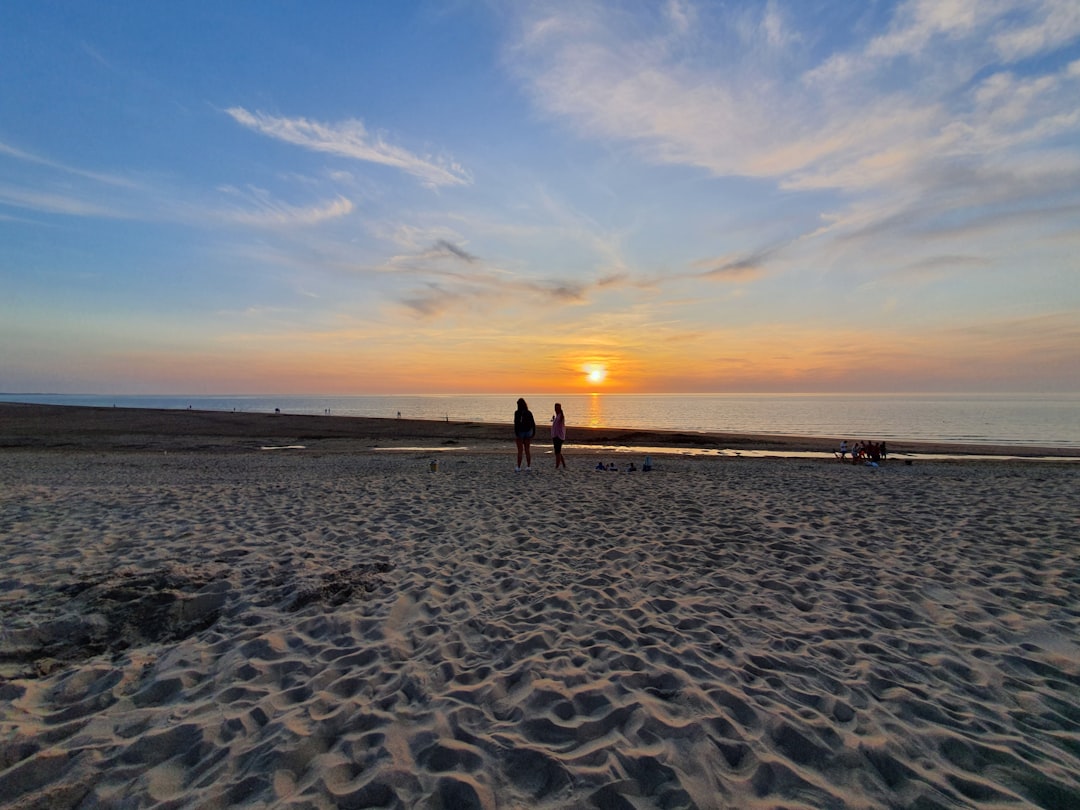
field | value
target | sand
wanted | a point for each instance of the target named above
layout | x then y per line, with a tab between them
191	621
87	428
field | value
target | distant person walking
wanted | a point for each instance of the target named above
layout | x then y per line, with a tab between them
558	435
524	430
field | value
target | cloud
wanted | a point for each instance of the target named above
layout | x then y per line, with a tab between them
954	201
941	266
849	121
100	177
263	211
450	278
351	139
740	268
564	291
1052	24
616	280
926	30
443	246
443	257
51	203
411	238
257	207
918	22
681	14
431	300
774	25
438	297
581	72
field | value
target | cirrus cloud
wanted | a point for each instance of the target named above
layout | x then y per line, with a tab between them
351	139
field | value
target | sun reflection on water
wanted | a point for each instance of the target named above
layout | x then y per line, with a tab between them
594	416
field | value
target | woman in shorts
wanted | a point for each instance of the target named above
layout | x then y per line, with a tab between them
524	430
558	435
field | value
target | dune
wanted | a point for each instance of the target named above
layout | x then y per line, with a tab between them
191	621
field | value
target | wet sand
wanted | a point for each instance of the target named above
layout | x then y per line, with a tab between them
86	428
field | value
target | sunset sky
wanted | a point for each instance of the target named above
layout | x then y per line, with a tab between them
467	196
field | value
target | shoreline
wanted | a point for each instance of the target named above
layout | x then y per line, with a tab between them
83	428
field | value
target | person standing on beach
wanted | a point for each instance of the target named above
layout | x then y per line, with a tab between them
558	435
524	430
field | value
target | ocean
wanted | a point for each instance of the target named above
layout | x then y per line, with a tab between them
1041	420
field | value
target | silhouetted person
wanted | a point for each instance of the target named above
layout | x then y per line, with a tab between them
524	430
558	435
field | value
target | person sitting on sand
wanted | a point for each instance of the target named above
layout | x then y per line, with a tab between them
600	467
856	452
524	430
631	468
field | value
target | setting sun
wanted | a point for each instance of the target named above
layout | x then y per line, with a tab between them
595	374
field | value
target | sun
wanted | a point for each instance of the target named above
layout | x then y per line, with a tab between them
595	373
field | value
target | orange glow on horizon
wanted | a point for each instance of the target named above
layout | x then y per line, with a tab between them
663	360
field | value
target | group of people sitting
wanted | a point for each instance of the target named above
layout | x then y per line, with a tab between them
613	467
863	452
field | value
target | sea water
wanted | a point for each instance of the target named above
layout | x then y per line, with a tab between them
1043	420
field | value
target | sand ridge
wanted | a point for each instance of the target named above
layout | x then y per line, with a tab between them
354	630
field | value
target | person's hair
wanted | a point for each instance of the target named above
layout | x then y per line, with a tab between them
522	406
558	404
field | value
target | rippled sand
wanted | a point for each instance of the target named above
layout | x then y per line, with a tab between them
304	629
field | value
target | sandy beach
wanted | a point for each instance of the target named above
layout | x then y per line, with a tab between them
24	426
189	620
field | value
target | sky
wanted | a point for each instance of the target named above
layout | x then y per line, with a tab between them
473	196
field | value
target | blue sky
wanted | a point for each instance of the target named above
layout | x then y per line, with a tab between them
273	197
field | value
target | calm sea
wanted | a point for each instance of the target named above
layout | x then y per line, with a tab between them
1051	420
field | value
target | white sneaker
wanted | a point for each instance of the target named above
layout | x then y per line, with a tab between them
528	469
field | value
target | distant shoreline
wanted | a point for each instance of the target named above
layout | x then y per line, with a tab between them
981	420
78	427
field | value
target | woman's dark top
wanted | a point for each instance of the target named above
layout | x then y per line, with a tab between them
524	424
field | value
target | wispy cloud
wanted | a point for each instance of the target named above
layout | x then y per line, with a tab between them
56	203
262	210
125	199
735	268
940	266
606	87
433	298
848	125
443	246
681	14
933	132
775	27
918	22
351	139
100	177
1048	25
449	278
